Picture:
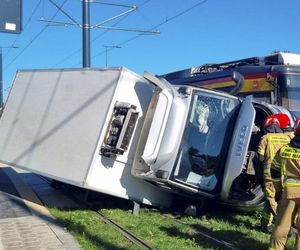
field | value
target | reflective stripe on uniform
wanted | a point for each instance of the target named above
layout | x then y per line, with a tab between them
290	153
261	151
267	170
283	170
287	152
276	164
276	179
278	140
291	182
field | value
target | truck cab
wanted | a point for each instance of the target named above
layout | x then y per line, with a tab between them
202	143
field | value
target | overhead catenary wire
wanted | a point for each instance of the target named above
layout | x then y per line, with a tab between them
24	27
102	52
157	25
64	12
34	38
97	37
152	28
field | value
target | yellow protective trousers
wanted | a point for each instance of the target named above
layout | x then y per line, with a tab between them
283	222
273	191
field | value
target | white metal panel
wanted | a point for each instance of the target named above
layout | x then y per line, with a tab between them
53	119
113	176
158	126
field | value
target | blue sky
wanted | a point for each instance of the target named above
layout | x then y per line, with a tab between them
192	32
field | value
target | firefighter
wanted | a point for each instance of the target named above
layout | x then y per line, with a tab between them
270	143
289	159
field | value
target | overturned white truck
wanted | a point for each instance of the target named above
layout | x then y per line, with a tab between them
138	138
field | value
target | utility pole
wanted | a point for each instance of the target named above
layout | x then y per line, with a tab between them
86	53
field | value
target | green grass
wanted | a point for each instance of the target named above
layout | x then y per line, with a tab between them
162	231
90	231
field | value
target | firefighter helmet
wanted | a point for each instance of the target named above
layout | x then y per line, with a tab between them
271	119
284	120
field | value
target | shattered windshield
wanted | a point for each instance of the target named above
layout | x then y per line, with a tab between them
206	139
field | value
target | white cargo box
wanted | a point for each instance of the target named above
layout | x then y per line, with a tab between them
55	123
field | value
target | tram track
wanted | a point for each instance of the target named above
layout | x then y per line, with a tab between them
226	244
122	230
128	234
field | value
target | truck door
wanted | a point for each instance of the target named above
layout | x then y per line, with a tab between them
238	146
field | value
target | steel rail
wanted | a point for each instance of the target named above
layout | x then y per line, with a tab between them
132	237
126	233
122	230
226	244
